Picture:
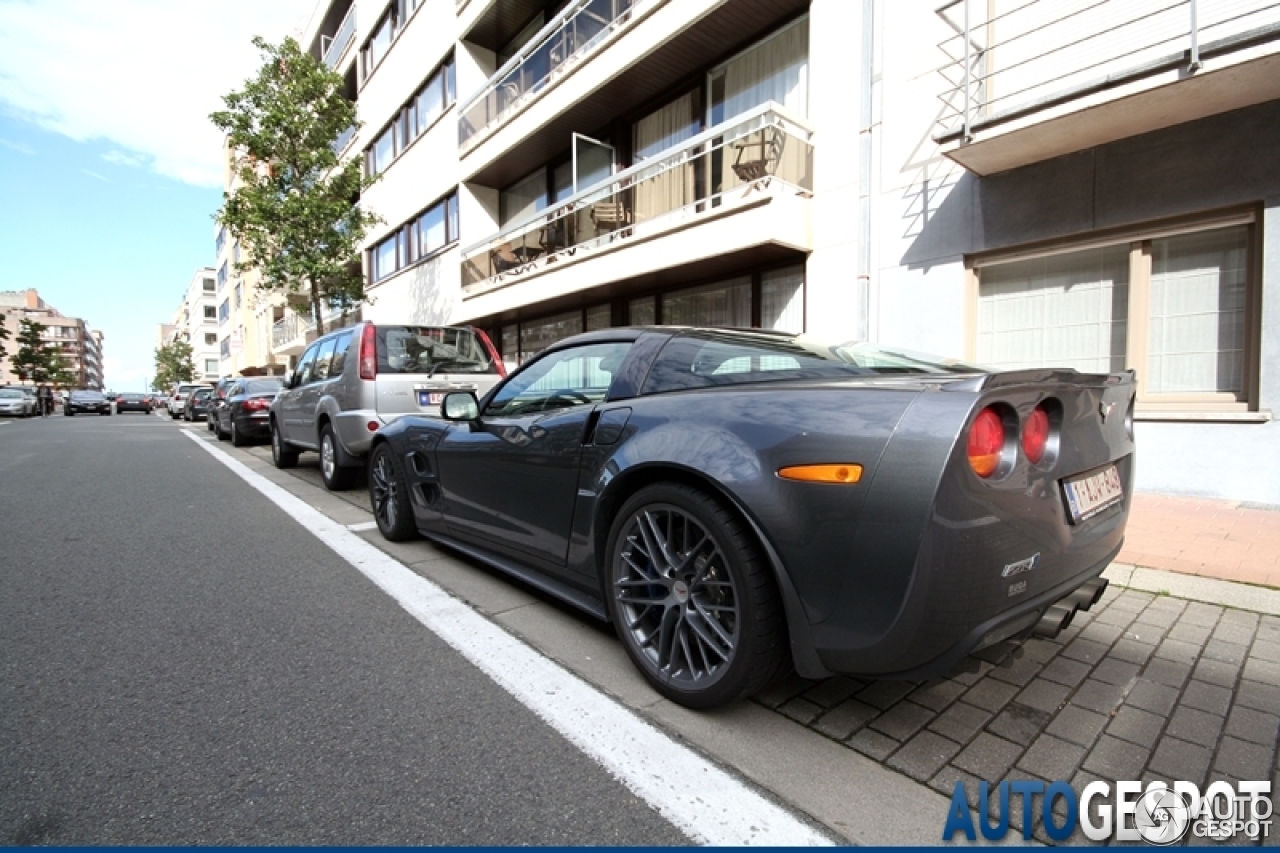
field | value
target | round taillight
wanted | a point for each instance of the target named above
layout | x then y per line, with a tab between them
986	442
372	426
1035	435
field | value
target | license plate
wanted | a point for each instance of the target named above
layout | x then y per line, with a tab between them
1089	494
430	398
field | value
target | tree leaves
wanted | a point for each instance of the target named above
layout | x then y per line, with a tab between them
294	206
173	365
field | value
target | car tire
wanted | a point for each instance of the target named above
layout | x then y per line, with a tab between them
237	438
219	431
173	415
705	627
208	424
335	477
389	496
282	455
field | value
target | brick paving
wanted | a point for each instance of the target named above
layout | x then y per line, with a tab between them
1143	687
1227	540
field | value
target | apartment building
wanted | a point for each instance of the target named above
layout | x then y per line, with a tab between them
1023	183
80	346
196	322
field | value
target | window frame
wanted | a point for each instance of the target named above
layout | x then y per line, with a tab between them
1139	240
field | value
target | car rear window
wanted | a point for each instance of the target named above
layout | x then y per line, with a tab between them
10	395
432	349
261	386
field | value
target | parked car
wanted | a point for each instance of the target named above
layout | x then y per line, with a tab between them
197	405
16	404
88	402
245	414
737	502
218	399
131	402
178	399
351	382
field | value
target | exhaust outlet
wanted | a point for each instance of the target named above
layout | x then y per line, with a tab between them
1055	620
1088	594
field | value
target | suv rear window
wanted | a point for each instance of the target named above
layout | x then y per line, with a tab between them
432	349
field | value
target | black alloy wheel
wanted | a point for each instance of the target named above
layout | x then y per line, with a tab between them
692	599
282	455
389	495
335	477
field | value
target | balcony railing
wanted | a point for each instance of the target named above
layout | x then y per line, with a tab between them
294	327
1011	59
341	39
757	152
563	43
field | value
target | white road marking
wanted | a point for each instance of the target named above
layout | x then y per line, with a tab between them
703	801
362	525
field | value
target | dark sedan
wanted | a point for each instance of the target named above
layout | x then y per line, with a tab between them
130	402
88	402
198	404
244	415
737	502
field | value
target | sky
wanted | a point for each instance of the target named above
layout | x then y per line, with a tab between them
110	170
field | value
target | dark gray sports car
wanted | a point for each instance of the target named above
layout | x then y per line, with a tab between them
736	502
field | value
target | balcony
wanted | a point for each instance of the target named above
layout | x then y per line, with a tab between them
344	139
1027	81
291	334
744	164
334	48
565	41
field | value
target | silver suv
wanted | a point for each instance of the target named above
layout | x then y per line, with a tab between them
350	382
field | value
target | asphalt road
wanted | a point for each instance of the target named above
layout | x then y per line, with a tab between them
181	663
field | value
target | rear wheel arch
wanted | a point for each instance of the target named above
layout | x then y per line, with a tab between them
803	653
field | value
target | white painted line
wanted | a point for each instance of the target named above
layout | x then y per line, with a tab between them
362	525
703	801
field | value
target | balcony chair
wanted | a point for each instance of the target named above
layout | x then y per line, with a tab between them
609	216
757	156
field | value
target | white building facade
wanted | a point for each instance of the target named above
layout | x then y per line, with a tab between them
196	322
1088	184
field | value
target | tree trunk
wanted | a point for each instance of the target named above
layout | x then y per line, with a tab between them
316	308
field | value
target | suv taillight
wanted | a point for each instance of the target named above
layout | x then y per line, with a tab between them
257	403
369	353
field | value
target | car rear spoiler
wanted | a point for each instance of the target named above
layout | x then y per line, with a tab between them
1041	376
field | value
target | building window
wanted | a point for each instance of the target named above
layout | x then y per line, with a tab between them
210	339
210	312
417	240
721	304
238	293
224	311
418	114
222	277
221	241
211	365
208	285
378	44
1176	308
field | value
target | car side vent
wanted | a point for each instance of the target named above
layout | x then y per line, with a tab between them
421	464
430	493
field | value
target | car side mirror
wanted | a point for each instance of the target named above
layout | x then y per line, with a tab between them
460	406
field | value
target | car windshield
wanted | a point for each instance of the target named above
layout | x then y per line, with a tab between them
262	386
11	395
87	396
131	397
734	358
432	349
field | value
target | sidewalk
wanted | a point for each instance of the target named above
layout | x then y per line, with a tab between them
1210	538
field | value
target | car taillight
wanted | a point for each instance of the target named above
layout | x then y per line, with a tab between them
1035	435
369	353
986	442
257	403
492	350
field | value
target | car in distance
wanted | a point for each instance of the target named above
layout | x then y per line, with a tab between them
16	404
129	401
244	415
197	405
737	502
352	381
87	402
178	399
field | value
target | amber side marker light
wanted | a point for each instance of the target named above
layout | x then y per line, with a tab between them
844	473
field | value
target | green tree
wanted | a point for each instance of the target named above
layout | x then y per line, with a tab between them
32	360
173	365
60	373
296	209
4	336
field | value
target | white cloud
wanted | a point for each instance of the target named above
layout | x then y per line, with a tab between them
21	148
123	158
95	175
141	74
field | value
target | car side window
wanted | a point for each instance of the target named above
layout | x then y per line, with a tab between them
324	355
303	374
576	376
340	346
